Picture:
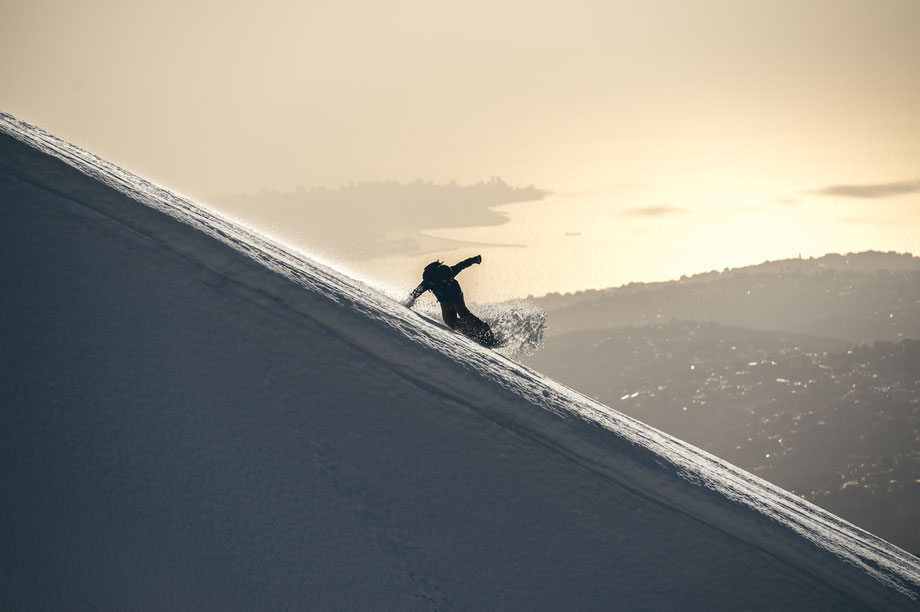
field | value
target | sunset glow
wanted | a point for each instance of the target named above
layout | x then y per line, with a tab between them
674	137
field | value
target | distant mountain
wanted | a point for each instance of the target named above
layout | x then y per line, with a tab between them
860	297
806	372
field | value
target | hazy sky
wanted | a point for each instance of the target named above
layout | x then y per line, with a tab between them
777	99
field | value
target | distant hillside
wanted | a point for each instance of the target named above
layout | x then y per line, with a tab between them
836	424
858	298
806	372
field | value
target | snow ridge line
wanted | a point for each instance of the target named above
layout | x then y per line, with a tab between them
645	461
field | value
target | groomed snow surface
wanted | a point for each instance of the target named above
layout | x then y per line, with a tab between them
192	418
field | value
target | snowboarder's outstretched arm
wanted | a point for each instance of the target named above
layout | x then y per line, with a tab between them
422	288
466	263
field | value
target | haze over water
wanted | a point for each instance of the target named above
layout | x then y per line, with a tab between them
635	211
676	137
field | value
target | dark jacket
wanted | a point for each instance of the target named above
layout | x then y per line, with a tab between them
448	291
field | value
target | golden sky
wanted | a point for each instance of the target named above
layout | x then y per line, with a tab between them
227	96
214	98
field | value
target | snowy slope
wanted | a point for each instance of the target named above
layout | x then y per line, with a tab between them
194	417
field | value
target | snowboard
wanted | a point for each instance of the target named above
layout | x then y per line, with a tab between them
494	342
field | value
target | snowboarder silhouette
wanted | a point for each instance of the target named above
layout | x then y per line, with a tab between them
439	279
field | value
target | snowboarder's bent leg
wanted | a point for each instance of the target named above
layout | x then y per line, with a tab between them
473	327
450	315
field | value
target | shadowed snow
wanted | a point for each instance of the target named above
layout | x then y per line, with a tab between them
195	417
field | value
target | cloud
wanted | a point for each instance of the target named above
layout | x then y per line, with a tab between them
870	191
654	211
